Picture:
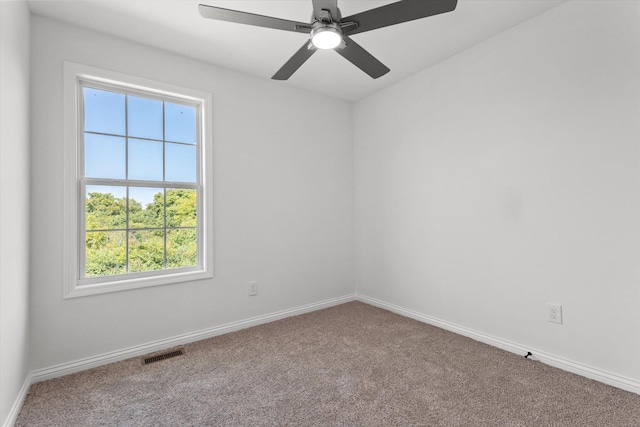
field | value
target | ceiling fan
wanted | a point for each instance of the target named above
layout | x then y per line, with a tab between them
329	30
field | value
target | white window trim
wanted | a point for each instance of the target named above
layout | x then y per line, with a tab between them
74	286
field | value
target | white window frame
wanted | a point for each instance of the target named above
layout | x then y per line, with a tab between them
75	285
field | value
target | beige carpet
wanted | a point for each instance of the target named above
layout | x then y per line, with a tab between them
350	365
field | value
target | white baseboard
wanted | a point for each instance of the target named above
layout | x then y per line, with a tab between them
602	376
17	405
140	350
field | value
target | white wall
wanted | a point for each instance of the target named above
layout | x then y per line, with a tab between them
507	177
283	199
14	203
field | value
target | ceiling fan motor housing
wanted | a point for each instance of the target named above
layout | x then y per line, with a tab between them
327	35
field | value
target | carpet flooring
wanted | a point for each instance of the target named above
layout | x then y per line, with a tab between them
349	365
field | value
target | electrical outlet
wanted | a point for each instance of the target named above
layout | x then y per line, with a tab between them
253	288
554	313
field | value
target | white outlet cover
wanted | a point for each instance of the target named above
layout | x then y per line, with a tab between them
554	313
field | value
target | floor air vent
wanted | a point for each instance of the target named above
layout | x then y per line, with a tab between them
162	356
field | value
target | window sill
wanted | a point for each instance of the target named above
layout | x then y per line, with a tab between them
82	290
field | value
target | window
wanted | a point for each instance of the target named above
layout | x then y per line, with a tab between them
138	198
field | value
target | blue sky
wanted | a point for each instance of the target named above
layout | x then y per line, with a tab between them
114	124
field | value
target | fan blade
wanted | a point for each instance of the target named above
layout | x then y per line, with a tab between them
295	62
362	59
229	15
330	5
397	13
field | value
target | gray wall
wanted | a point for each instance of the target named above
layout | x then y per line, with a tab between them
14	200
507	177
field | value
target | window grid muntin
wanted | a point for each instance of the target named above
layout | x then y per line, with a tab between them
83	181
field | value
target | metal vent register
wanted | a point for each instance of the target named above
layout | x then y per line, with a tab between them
162	356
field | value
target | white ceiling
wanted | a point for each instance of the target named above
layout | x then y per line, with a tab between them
176	25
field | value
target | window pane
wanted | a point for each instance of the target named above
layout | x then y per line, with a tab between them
145	160
144	117
104	156
182	248
146	207
180	163
105	207
180	123
105	253
181	207
103	111
146	250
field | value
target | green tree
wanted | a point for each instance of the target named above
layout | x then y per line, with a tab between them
148	249
105	211
180	208
105	253
105	250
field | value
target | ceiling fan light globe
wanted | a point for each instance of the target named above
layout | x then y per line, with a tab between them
326	38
